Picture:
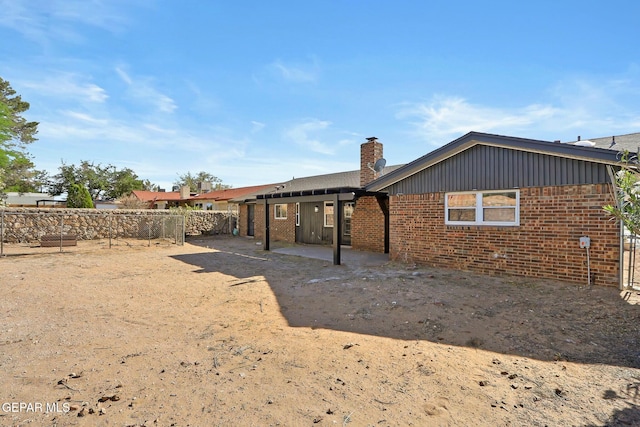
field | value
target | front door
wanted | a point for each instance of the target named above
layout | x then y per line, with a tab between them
251	213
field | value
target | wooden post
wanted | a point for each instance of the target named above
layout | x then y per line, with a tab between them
265	234
337	228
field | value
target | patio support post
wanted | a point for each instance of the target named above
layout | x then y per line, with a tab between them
337	228
265	234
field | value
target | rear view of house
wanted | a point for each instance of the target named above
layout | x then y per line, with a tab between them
486	203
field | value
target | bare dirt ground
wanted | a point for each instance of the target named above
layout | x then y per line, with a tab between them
220	332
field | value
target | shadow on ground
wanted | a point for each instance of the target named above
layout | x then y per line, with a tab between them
535	319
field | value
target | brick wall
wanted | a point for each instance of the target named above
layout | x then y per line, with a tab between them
367	225
545	245
243	214
280	230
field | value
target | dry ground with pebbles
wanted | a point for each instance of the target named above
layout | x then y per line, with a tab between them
219	332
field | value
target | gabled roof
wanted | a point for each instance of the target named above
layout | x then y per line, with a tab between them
471	139
149	196
231	193
317	184
629	142
218	195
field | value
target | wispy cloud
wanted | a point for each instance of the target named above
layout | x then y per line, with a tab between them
141	89
296	72
444	117
256	126
85	117
575	107
68	86
45	20
305	135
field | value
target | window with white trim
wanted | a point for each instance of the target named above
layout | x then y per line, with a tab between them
482	208
280	211
328	214
297	214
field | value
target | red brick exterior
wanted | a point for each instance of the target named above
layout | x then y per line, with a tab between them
242	220
367	225
280	230
544	245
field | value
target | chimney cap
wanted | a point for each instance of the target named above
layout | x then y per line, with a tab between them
372	139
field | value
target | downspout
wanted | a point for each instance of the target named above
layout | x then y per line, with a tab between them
614	191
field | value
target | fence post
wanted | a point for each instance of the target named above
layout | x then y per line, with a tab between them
2	233
110	216
61	230
149	230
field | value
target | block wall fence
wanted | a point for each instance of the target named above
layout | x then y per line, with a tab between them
22	225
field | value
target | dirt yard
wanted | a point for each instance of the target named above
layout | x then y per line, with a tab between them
221	333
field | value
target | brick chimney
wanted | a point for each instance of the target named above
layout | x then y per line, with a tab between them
370	153
185	192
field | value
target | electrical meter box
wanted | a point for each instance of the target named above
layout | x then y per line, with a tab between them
585	242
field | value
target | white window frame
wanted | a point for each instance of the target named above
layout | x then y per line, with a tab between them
297	214
275	211
479	209
324	213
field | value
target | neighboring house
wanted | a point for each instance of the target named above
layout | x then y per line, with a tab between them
619	143
217	200
486	203
163	199
220	200
32	200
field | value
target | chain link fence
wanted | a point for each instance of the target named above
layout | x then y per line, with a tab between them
34	232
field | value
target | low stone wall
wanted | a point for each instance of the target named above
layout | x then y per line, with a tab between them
22	225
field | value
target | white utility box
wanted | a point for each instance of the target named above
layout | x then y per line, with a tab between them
585	242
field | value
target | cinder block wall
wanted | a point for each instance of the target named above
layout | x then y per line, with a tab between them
367	225
280	230
545	245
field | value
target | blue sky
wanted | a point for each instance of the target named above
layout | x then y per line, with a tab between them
258	92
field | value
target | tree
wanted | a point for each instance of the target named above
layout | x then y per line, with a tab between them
193	180
627	183
149	186
78	197
16	169
100	181
19	173
15	131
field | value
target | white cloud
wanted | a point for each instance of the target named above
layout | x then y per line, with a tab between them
44	21
573	107
70	86
85	117
141	89
256	126
302	135
296	72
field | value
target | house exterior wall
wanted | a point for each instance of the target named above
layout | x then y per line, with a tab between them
544	245
367	225
280	230
485	167
243	214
